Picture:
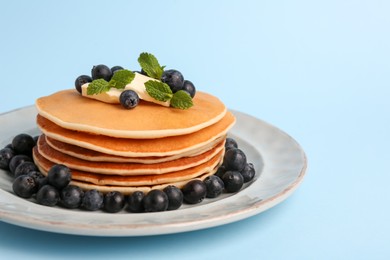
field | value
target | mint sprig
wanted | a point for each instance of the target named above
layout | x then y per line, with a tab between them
158	90
98	86
150	65
119	81
181	99
121	78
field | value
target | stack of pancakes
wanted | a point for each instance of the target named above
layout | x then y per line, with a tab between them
149	147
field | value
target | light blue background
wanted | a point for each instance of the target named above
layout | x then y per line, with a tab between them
318	70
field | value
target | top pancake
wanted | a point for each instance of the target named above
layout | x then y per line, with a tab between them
70	110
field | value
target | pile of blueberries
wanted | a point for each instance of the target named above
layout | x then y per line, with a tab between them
55	188
129	98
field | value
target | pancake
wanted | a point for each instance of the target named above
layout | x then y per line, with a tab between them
72	111
90	155
128	169
138	147
127	190
129	184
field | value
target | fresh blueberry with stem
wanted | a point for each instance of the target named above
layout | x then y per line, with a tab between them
92	200
230	143
194	191
48	195
101	72
81	80
248	173
233	181
39	178
175	197
220	171
113	201
6	155
155	200
116	68
24	186
214	186
9	146
71	196
135	202
23	144
174	79
189	87
129	99
24	168
16	160
234	159
59	176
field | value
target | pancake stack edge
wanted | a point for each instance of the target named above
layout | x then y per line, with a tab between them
108	163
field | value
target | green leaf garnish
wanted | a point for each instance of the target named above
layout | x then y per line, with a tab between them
98	86
121	78
158	90
150	65
182	100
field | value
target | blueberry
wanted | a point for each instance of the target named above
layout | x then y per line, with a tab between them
39	178
214	186
234	159
114	201
23	144
101	72
174	79
24	186
81	80
116	68
230	143
233	181
129	99
189	87
71	196
194	191
248	173
48	196
9	146
24	168
155	200
92	200
135	202
16	160
221	171
59	176
6	155
175	197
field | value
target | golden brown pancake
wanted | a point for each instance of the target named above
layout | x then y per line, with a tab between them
127	169
138	147
90	155
132	183
72	111
127	190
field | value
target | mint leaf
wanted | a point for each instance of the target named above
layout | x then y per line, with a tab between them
98	86
182	100
121	78
150	65
158	90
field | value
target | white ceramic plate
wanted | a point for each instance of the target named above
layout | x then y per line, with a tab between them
280	166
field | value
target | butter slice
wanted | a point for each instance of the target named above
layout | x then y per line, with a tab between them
111	96
137	85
